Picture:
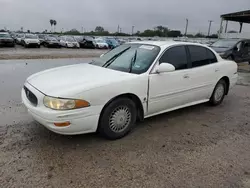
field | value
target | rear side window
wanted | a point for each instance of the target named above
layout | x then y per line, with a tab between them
176	56
201	56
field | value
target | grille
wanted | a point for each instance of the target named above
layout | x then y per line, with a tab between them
30	96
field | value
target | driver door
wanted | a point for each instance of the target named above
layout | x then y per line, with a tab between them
168	90
238	52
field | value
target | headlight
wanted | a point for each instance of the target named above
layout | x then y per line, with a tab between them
27	42
64	104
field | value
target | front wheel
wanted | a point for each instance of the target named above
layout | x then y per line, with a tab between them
117	119
218	93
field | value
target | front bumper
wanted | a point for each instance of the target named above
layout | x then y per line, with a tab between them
53	45
7	43
32	44
82	121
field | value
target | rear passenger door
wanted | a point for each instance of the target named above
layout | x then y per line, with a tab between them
246	51
204	72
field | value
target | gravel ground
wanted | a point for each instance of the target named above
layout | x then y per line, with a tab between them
20	52
199	146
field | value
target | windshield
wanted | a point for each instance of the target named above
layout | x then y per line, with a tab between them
51	39
145	55
31	37
224	43
4	35
100	41
70	39
113	41
20	35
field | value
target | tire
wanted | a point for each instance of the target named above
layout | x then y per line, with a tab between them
230	58
117	119
218	93
38	46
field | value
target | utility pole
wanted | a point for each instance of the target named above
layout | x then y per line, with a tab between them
209	28
132	30
186	27
82	29
118	29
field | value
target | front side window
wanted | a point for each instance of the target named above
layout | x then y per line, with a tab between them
176	56
201	56
132	58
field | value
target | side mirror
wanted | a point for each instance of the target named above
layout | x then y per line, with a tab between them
235	48
165	67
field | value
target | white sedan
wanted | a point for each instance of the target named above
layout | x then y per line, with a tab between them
129	83
69	42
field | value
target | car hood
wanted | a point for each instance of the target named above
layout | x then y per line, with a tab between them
101	43
31	40
68	81
6	39
219	49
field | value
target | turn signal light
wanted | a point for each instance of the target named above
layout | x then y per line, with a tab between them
63	124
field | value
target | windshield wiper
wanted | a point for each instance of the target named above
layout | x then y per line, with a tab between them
111	60
133	60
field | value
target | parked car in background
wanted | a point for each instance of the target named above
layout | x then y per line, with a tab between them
234	49
85	42
113	43
129	83
30	40
18	38
100	43
51	42
69	42
6	40
41	38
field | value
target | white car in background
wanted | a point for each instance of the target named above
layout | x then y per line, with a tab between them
131	82
30	40
18	38
69	42
100	43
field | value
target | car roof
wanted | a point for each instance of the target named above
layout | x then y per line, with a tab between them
4	33
165	44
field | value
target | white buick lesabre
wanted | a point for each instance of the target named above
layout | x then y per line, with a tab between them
131	82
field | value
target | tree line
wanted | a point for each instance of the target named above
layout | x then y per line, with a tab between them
159	31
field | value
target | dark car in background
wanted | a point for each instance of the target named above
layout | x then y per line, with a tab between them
235	49
51	42
85	42
41	38
6	40
113	43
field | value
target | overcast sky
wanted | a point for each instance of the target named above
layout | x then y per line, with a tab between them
35	14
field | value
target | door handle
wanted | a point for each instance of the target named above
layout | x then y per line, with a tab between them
217	70
186	76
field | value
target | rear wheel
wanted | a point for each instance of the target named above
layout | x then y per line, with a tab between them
218	93
117	119
230	57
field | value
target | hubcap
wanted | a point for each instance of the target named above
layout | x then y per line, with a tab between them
219	92
120	119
